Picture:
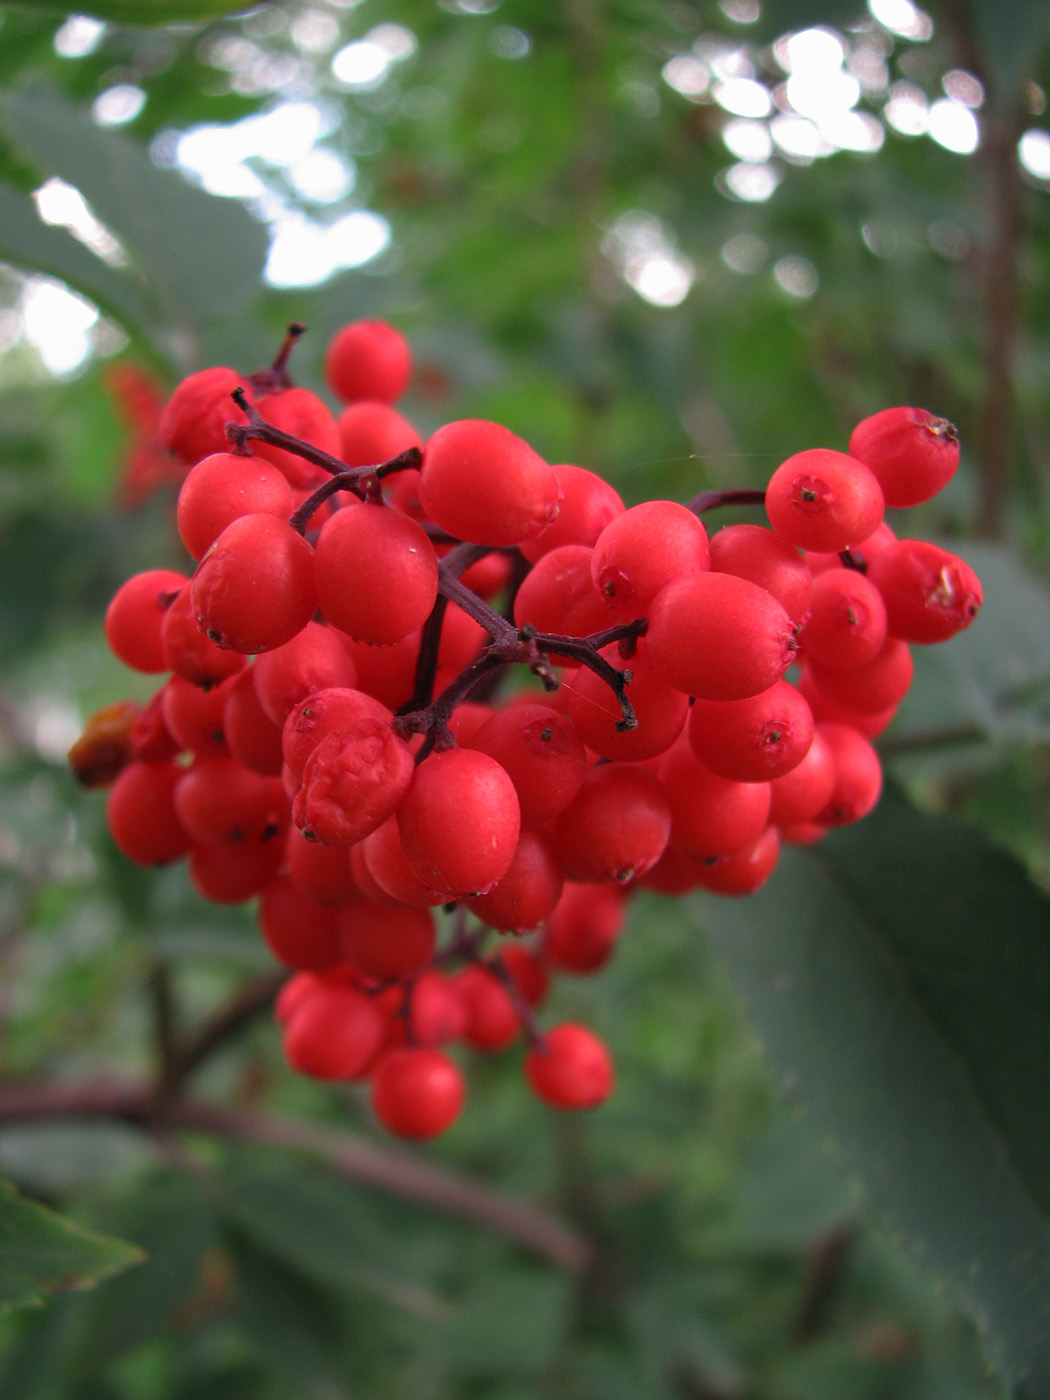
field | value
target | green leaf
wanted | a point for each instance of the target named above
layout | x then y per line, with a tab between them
172	1219
791	1191
29	243
42	1253
898	974
142	11
290	1319
203	256
317	1224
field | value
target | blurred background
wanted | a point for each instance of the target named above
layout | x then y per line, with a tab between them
675	243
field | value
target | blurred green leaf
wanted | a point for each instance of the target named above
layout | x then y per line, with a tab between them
29	243
289	1318
791	1190
42	1253
319	1225
899	976
202	256
140	11
174	1222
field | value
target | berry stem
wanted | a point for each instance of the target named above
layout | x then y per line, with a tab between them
510	644
533	1034
257	429
432	720
276	378
427	661
364	482
711	500
465	943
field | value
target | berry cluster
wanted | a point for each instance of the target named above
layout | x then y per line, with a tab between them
331	740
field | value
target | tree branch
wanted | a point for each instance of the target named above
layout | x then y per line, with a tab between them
393	1171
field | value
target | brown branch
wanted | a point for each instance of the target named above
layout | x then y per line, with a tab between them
1002	194
996	440
394	1171
248	1002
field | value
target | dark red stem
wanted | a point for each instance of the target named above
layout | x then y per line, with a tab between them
711	500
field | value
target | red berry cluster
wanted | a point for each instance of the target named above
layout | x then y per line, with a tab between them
331	742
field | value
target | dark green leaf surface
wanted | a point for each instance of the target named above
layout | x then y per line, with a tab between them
900	976
42	1253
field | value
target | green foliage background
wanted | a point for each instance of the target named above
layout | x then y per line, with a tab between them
826	1169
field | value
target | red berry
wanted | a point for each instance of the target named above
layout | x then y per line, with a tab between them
642	550
193	422
825	500
236	871
254	589
482	483
334	1033
757	553
322	872
558	595
436	1014
710	815
141	813
377	574
913	453
542	754
572	1069
191	654
320	714
847	621
387	865
799	795
581	932
371	433
617	826
930	594
368	360
744	871
223	487
315	659
882	682
659	708
417	1091
719	636
352	781
219	800
196	717
385	942
135	619
304	416
299	931
527	891
459	822
492	1022
753	740
588	504
858	776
